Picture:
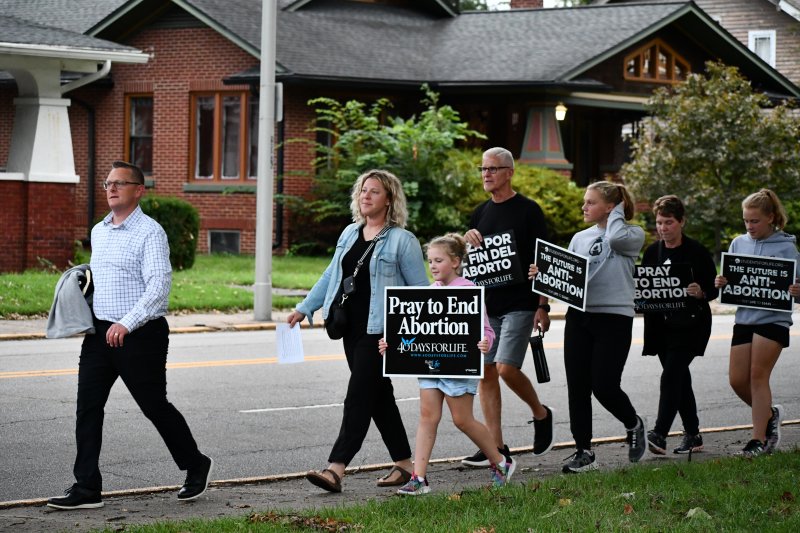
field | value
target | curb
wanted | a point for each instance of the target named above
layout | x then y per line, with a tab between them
259	326
354	470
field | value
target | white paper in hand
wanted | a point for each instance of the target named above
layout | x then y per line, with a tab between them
290	345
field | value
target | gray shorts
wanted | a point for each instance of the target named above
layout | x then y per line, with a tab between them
512	335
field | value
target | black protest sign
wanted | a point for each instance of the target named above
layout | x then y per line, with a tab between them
562	274
495	262
433	332
662	288
756	281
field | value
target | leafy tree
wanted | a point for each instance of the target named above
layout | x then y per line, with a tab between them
414	149
473	5
712	141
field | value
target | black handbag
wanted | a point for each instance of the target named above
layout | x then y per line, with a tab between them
539	359
336	322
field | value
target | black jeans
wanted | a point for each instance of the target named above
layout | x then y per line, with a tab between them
370	396
677	395
596	347
141	363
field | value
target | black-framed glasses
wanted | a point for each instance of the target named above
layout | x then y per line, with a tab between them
490	170
118	184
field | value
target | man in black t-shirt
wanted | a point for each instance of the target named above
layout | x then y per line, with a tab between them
513	308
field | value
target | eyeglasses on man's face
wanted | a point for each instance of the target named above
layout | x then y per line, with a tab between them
118	184
490	170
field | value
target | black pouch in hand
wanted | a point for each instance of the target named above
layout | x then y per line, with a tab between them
539	359
336	322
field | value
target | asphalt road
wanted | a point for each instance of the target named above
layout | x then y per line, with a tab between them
257	418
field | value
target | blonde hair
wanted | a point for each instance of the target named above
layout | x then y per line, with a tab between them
614	193
768	203
397	215
453	245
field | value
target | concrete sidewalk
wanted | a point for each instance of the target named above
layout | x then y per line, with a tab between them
292	492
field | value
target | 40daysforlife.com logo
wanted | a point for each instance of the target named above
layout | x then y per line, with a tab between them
433	352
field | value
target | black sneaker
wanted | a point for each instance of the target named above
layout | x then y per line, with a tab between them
656	443
754	448
637	444
479	459
77	497
690	444
543	433
196	480
580	461
774	429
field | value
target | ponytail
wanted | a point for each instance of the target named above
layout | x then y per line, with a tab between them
614	193
768	203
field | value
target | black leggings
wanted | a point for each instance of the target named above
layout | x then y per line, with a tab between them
370	396
677	395
596	347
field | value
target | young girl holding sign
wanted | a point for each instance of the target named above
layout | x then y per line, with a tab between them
597	341
445	255
759	335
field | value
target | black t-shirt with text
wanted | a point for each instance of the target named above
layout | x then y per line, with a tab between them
526	218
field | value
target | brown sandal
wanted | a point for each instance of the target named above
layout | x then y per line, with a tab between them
319	480
405	476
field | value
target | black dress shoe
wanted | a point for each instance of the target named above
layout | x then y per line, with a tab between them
196	480
76	497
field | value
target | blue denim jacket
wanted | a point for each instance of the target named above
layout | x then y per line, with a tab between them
396	260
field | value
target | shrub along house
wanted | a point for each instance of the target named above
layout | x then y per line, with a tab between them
188	115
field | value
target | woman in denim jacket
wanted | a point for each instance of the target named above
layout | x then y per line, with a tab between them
396	259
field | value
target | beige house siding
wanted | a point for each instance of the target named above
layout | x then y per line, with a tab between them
740	17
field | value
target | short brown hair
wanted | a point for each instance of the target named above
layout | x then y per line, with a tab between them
136	172
669	206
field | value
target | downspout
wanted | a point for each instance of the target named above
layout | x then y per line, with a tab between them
90	167
80	82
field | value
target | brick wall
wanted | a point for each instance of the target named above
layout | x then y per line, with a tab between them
34	226
7	95
184	60
526	4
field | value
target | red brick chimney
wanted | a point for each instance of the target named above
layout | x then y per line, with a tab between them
526	4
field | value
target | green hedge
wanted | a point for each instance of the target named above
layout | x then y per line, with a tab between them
181	222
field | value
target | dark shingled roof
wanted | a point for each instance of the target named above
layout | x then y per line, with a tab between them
16	31
380	42
73	15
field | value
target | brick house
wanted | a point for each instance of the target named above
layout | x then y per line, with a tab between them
188	115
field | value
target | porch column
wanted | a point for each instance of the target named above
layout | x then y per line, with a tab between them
542	143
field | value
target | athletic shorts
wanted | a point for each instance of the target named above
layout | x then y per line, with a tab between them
743	334
512	335
453	387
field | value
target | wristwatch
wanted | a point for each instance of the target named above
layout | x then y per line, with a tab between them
546	307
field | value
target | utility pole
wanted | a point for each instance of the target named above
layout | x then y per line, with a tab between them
266	163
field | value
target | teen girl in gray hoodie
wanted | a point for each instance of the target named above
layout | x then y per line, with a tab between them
597	341
759	335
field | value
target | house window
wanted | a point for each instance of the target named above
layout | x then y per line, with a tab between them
762	43
139	131
224	136
224	242
656	62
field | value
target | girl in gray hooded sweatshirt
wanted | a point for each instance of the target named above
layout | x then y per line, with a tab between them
759	335
597	341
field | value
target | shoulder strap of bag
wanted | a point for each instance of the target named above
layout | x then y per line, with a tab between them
380	234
